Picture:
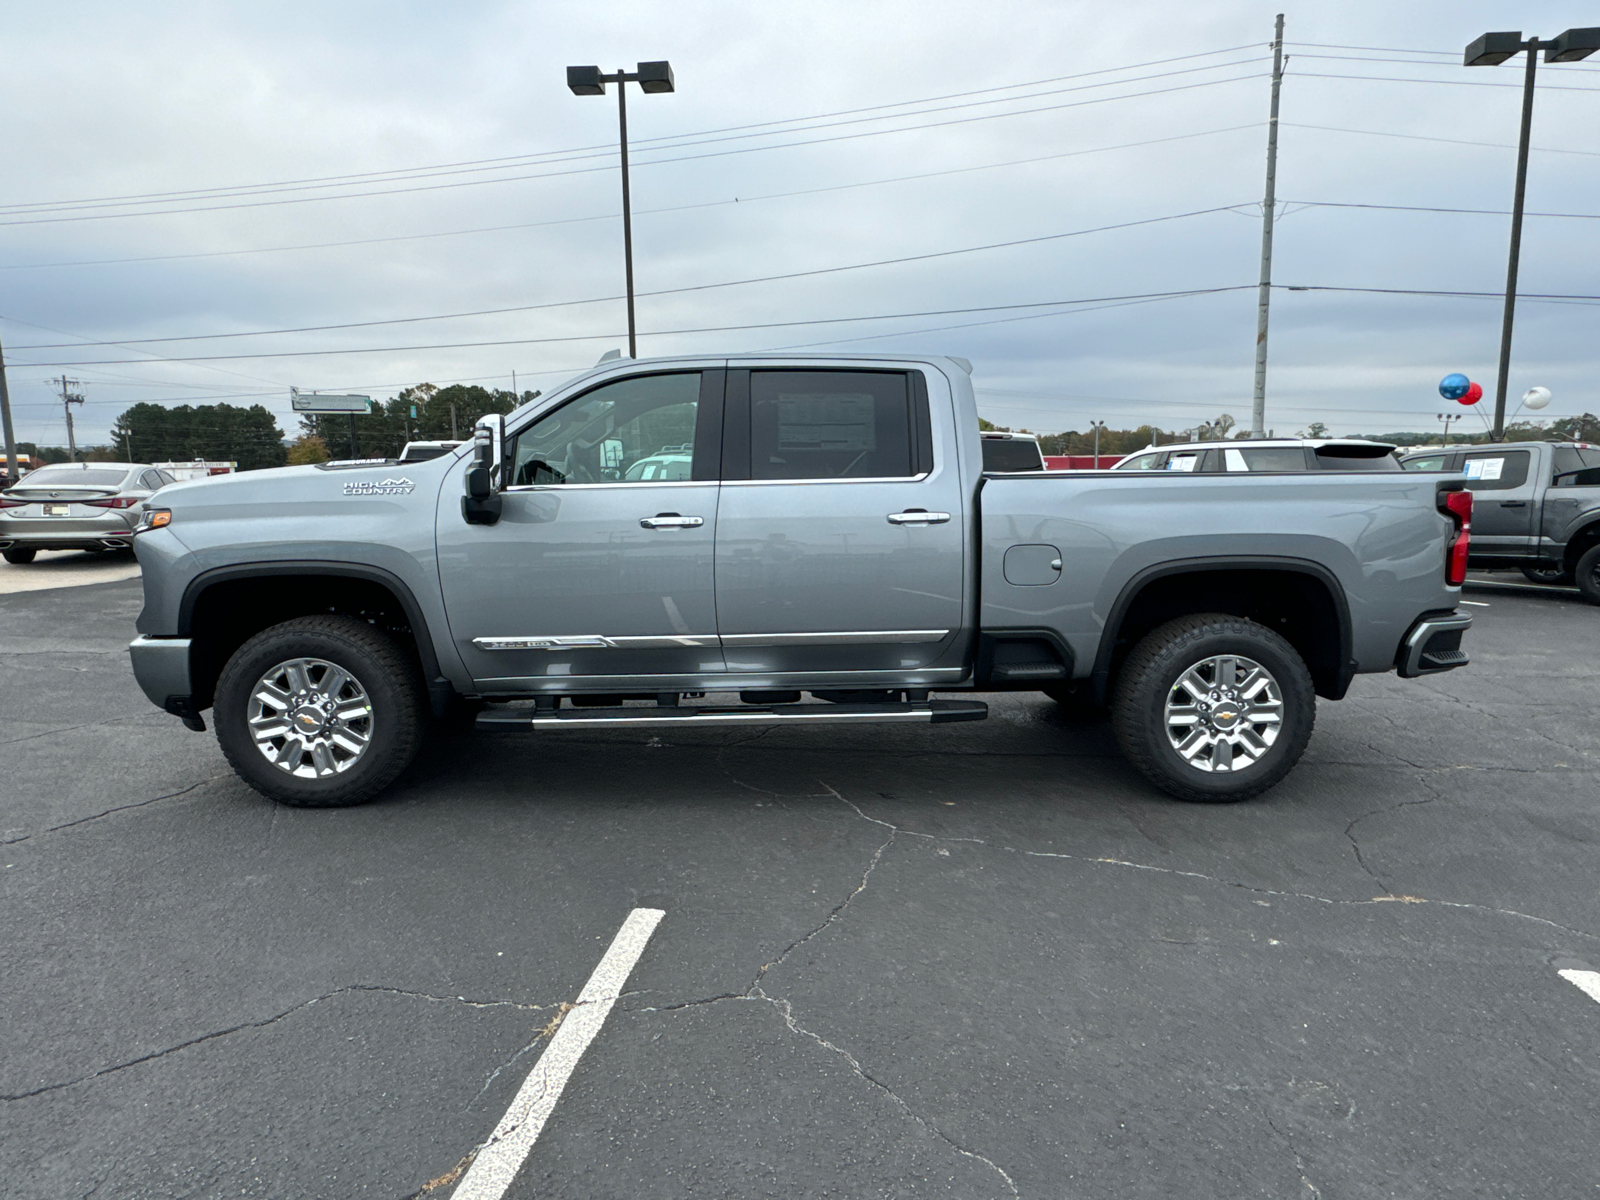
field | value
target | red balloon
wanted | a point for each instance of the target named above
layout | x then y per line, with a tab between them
1473	394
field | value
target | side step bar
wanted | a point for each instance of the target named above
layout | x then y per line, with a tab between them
506	719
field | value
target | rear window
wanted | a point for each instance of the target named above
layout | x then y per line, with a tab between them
1011	454
1266	458
1428	462
75	477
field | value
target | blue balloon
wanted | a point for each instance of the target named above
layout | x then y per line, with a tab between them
1453	387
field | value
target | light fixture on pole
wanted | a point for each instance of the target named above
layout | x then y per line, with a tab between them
1491	50
1098	426
1448	418
651	77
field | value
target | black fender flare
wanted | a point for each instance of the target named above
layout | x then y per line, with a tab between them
1101	675
253	570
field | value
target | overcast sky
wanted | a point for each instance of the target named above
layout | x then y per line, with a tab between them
478	182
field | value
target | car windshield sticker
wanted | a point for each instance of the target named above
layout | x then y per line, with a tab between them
1183	462
1485	468
382	487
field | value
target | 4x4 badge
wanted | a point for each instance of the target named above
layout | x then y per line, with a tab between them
385	487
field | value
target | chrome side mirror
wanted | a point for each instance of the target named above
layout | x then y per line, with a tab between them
486	476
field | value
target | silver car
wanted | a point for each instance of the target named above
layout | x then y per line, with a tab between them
76	506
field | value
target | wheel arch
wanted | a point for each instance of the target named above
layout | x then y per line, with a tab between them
1581	540
223	607
1299	599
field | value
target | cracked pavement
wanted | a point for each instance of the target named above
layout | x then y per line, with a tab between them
980	960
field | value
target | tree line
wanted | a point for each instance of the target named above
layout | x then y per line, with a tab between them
424	413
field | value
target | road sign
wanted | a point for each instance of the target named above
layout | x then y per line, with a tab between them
312	402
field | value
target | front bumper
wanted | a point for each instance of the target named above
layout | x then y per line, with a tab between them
161	665
1433	645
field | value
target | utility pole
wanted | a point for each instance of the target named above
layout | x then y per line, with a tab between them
11	470
68	399
1098	426
1258	407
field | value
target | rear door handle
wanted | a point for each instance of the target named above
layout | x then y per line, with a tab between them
917	516
1513	504
671	521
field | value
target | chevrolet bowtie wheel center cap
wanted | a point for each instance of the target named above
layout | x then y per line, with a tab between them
1224	713
310	718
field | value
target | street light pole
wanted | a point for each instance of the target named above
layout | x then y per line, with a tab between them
1447	418
589	81
1098	426
1491	50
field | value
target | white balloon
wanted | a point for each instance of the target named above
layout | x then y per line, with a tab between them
1536	397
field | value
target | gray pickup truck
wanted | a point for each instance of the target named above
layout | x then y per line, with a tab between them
656	531
1538	507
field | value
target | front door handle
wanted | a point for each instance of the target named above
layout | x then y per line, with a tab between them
1513	504
918	516
671	521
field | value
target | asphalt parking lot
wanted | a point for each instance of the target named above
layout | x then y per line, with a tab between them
968	961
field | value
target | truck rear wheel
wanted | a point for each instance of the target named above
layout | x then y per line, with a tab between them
1588	574
319	712
1213	708
1550	574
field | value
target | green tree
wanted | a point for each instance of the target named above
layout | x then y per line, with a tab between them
217	432
385	431
307	448
1314	430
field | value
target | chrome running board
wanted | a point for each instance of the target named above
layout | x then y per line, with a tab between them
508	719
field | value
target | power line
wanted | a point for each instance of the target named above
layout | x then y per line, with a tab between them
663	142
642	212
1417	137
653	162
1411	62
591	337
1487	212
1543	87
605	299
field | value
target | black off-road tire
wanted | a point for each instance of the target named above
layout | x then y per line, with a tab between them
389	677
1152	670
1550	575
1587	574
19	557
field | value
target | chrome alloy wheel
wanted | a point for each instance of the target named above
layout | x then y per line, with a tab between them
310	718
1224	713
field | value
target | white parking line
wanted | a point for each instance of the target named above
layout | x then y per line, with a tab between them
1587	982
503	1154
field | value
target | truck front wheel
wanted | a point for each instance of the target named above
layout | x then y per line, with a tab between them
319	712
1213	708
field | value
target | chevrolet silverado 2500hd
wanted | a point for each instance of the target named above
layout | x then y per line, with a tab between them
659	530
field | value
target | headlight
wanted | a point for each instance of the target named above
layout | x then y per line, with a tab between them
153	518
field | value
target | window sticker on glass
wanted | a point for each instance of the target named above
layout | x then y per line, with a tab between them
1485	468
826	422
1183	462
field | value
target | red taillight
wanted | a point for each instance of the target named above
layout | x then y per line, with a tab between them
114	502
4	503
1459	507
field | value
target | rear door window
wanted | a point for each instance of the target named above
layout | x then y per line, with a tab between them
1184	460
1427	462
830	425
1142	462
1499	470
